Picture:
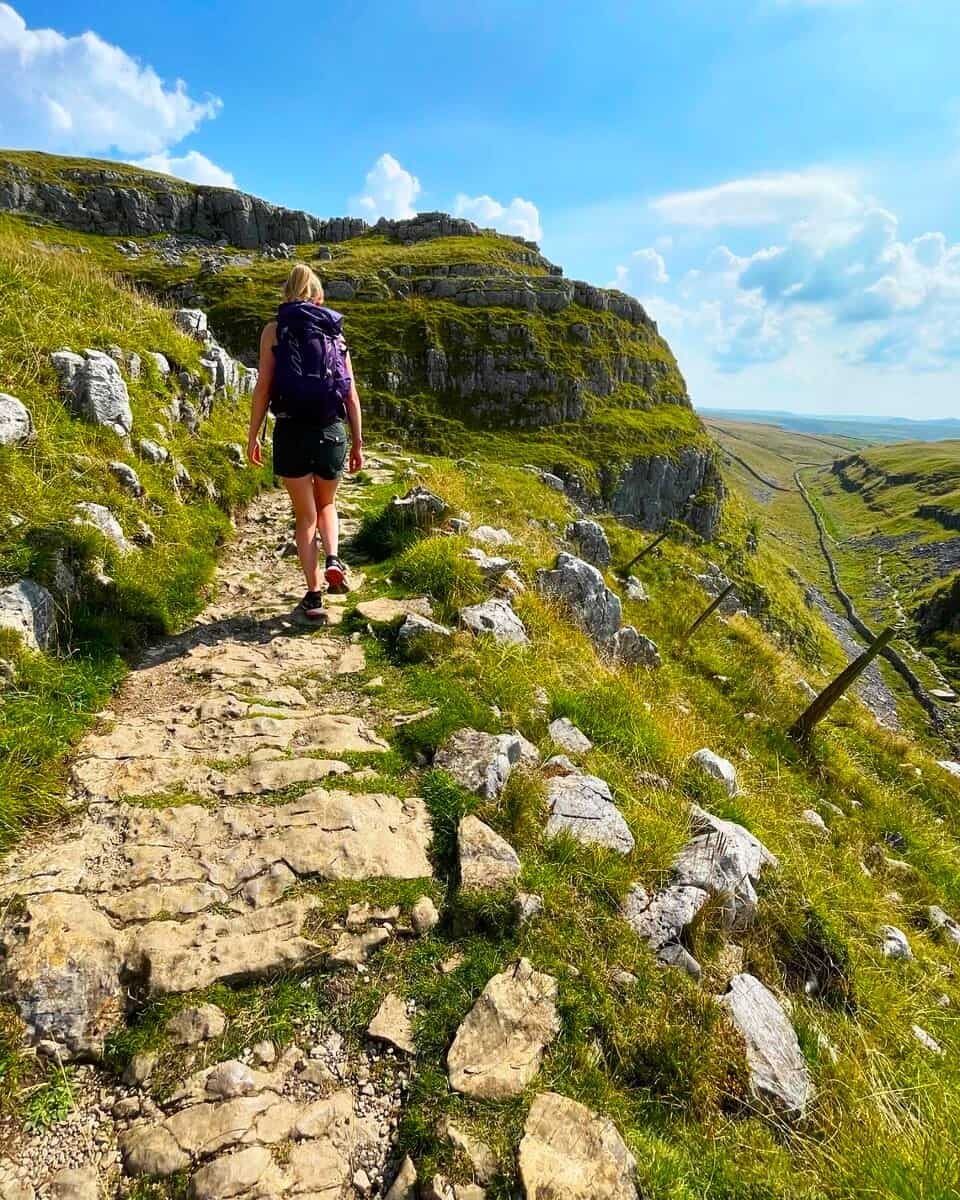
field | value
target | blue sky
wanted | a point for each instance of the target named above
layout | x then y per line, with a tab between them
777	180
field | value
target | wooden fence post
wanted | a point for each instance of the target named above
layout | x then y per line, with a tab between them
708	611
819	707
646	550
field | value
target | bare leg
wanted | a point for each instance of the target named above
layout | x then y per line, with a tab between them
325	494
301	496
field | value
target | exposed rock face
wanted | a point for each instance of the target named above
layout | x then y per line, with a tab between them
591	542
571	1153
778	1072
419	508
722	861
69	967
16	424
582	805
486	859
93	387
652	491
499	1046
629	646
581	587
482	762
28	609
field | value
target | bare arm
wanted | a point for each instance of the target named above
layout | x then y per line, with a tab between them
355	418
261	393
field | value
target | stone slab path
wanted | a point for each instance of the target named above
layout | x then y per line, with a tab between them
136	897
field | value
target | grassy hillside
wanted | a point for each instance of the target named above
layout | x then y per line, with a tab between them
50	300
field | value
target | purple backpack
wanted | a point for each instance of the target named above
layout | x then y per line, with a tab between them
310	380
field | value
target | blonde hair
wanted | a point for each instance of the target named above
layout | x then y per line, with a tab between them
302	284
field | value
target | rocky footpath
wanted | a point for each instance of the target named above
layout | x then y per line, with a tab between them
190	862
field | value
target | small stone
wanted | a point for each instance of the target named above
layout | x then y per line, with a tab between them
571	1153
498	620
636	590
140	1068
230	1079
361	1181
486	535
893	942
392	1024
947	926
717	768
498	1047
582	805
419	638
528	906
424	915
926	1040
778	1071
127	477
481	1157
813	818
265	1053
16	424
630	647
590	541
482	762
74	1183
199	1023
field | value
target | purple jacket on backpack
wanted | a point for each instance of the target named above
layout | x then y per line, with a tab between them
311	381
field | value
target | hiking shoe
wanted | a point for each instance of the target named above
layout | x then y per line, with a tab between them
311	606
336	575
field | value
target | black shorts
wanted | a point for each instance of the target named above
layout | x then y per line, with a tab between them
300	449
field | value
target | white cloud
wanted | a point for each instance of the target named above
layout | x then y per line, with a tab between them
520	217
761	200
193	166
83	95
646	267
828	264
390	190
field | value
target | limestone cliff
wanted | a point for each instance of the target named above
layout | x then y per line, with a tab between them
465	341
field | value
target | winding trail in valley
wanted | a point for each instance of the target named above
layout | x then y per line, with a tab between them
927	703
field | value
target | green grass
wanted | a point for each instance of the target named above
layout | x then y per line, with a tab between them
48	301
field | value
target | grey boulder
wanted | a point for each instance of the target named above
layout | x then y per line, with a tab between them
192	322
571	1153
582	805
104	522
497	619
16	424
567	736
948	927
778	1071
153	452
629	646
591	542
127	477
419	637
94	388
419	508
28	609
717	768
580	587
482	762
486	859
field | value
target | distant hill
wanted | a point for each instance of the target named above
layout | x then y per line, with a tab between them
864	429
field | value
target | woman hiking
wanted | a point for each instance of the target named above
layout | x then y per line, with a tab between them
306	379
